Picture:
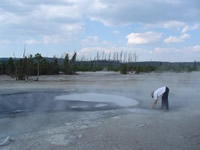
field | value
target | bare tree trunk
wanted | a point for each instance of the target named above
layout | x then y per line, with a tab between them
38	70
135	56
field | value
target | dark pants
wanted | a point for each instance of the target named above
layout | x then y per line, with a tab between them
165	99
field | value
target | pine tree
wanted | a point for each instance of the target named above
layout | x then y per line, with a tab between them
30	66
73	64
55	66
10	67
21	69
66	64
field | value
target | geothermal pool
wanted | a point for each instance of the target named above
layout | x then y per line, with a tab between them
100	98
61	101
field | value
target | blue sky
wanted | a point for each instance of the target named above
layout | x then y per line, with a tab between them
158	30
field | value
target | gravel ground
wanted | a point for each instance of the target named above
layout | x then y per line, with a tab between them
139	128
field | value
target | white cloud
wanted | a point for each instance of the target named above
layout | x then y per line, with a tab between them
73	27
145	11
53	39
143	38
116	32
190	28
5	42
176	54
10	18
32	42
170	25
90	41
173	39
57	11
106	42
196	48
173	24
108	12
49	18
68	15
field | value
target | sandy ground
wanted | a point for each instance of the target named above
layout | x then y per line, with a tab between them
139	127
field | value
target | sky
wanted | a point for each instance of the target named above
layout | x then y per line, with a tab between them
154	30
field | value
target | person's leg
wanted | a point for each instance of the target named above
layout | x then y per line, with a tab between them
166	104
165	99
167	94
162	103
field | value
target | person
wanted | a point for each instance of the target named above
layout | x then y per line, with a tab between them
164	92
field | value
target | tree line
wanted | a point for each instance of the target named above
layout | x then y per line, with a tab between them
23	68
36	65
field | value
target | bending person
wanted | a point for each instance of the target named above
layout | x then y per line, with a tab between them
164	92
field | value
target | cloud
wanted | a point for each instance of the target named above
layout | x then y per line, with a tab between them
72	27
145	11
50	11
196	48
173	39
176	54
108	43
55	17
190	28
46	19
90	41
174	25
170	25
10	18
32	42
116	32
5	42
53	39
143	38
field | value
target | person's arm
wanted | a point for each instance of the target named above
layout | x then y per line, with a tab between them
154	104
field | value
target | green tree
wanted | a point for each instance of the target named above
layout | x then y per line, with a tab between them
21	69
30	66
0	68
10	67
3	68
123	68
73	64
55	66
66	64
45	67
